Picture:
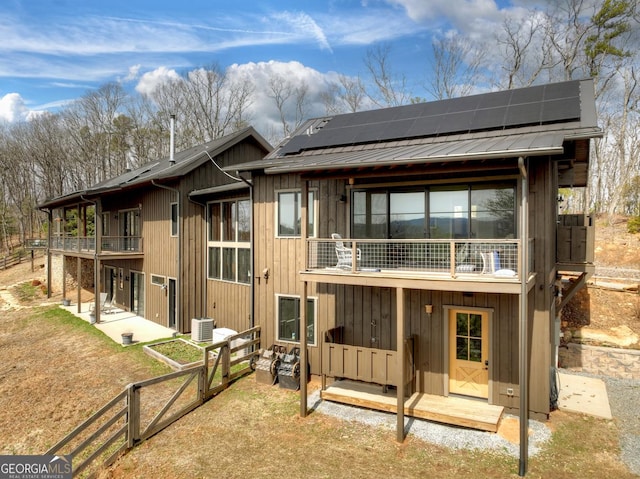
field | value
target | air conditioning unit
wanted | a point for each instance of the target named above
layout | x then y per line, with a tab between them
202	329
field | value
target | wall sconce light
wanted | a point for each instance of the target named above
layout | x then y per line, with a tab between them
265	273
428	308
343	198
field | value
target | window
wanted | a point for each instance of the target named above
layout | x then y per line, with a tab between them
157	280
289	319
174	219
442	212
289	214
229	233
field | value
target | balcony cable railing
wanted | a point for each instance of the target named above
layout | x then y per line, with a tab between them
496	257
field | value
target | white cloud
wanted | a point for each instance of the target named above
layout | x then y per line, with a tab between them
264	114
304	26
13	108
150	80
134	72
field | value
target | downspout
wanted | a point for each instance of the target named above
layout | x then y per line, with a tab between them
251	237
252	255
524	330
179	252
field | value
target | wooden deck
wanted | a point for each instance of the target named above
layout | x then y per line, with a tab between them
456	411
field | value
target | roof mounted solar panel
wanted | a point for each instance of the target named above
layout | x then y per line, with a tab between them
560	110
527	95
506	109
554	91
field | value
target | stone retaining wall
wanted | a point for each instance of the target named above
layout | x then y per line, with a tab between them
612	362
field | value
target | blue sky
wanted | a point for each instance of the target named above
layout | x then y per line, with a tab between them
54	51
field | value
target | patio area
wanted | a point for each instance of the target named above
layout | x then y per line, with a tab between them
117	322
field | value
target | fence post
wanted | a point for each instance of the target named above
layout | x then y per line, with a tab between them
204	377
226	363
133	415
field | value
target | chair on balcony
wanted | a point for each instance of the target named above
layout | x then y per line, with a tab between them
344	254
491	265
105	304
462	259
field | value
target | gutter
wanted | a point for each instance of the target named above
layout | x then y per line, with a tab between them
252	280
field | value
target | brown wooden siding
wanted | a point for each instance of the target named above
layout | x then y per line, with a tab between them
543	191
161	249
368	314
283	257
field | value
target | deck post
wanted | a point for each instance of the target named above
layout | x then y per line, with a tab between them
304	213
523	332
48	251
79	279
400	364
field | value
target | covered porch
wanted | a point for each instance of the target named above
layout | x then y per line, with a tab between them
455	411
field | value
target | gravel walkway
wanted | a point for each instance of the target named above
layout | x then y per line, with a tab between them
453	437
624	400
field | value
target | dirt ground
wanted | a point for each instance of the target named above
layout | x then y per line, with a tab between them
54	376
608	311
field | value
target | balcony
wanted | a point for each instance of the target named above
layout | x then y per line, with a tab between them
108	244
464	265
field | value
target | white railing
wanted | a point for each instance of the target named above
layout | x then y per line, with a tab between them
496	257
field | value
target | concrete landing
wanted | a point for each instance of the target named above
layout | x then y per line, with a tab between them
583	395
117	322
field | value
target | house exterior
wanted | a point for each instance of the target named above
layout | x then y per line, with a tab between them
140	237
421	245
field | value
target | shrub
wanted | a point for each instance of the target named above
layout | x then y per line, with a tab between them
633	225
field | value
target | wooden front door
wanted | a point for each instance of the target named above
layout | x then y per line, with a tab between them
469	353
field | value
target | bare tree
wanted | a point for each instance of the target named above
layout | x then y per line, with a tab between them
207	103
347	95
291	102
456	67
388	88
526	51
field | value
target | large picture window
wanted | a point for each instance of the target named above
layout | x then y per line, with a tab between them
229	232
289	214
442	212
289	319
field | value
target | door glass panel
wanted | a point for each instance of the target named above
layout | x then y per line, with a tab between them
462	350
462	328
448	213
493	213
407	214
475	325
475	350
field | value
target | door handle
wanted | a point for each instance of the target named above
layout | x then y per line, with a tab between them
486	364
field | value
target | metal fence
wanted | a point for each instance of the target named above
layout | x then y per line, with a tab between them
450	257
146	407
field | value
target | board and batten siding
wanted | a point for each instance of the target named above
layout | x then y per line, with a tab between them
160	251
283	257
228	303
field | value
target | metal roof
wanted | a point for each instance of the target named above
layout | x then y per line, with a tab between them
214	190
162	170
522	142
